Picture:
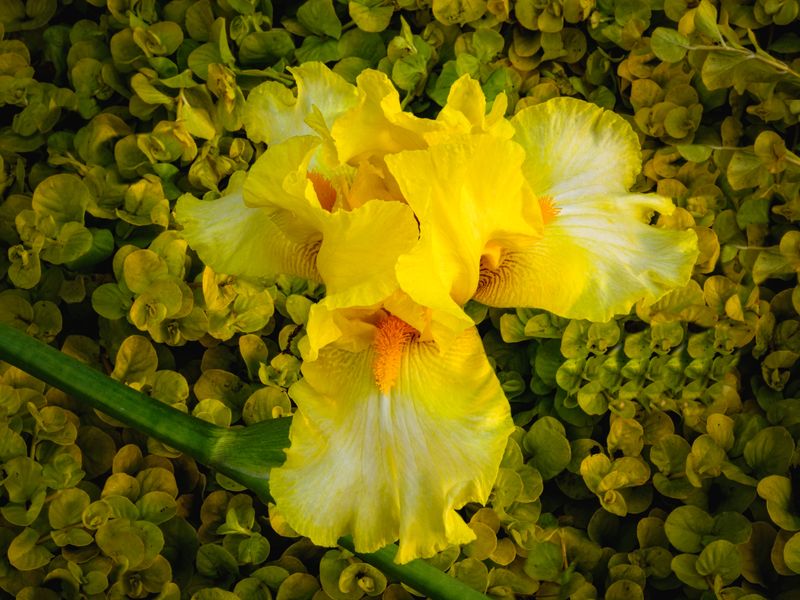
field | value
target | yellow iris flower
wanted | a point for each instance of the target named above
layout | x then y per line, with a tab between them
401	420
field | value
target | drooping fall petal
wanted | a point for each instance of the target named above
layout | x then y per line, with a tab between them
597	255
390	441
574	147
595	260
236	239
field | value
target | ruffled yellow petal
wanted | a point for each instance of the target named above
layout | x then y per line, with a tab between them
360	249
574	147
273	114
353	327
382	466
377	125
465	113
471	199
279	180
235	239
597	257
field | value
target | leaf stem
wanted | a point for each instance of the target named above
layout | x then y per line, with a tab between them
245	455
417	574
749	54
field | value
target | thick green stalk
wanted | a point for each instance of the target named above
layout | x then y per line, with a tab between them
416	574
246	455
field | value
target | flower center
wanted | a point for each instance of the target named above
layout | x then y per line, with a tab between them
549	210
326	193
390	341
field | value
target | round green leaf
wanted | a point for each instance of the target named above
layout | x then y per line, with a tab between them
686	526
732	526
72	242
98	450
484	543
157	479
251	588
25	554
253	550
118	540
791	553
156	507
217	563
101	248
330	569
298	586
66	507
720	558
545	561
624	590
63	197
141	268
370	15
472	572
770	451
548	446
136	361
364	577
694	152
110	301
684	567
669	45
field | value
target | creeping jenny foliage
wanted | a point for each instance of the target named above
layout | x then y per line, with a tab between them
655	456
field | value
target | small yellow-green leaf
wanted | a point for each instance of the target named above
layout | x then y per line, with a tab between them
66	507
25	554
668	44
791	553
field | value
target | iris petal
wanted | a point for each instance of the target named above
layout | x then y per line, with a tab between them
595	259
397	465
463	213
359	251
377	124
575	146
235	239
465	113
273	114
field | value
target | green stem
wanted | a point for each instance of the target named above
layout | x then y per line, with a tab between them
417	574
765	58
246	455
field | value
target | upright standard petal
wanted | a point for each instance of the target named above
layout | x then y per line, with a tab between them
574	146
389	442
471	200
465	113
234	239
273	114
360	249
279	181
595	260
377	124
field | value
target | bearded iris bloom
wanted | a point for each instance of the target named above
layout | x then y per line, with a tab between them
401	420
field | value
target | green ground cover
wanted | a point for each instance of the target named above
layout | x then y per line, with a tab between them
656	455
